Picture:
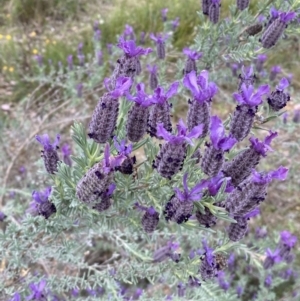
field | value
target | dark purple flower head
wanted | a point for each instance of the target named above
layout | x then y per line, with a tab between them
159	38
252	213
215	183
201	89
286	17
288	239
164	12
122	148
193	194
140	97
152	69
45	141
208	252
217	135
175	23
38	291
109	163
123	84
284	83
130	48
248	98
160	96
16	297
192	54
263	147
265	178
182	134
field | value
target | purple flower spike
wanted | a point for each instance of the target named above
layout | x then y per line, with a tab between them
49	153
278	99
150	220
41	204
138	115
275	27
180	207
172	154
241	166
213	158
202	91
192	56
153	80
160	39
130	48
164	12
38	291
208	267
214	11
160	112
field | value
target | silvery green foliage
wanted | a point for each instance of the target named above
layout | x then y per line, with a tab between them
85	248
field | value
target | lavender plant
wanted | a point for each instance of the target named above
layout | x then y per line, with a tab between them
109	224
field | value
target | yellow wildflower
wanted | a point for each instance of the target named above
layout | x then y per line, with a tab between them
4	68
11	69
32	34
35	51
8	37
54	42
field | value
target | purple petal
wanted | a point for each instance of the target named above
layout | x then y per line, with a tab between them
153	37
162	132
274	12
195	132
181	128
227	143
286	17
269	138
216	130
202	79
172	90
284	83
190	82
179	194
279	174
252	213
185	186
264	89
199	187
111	189
106	83
238	97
